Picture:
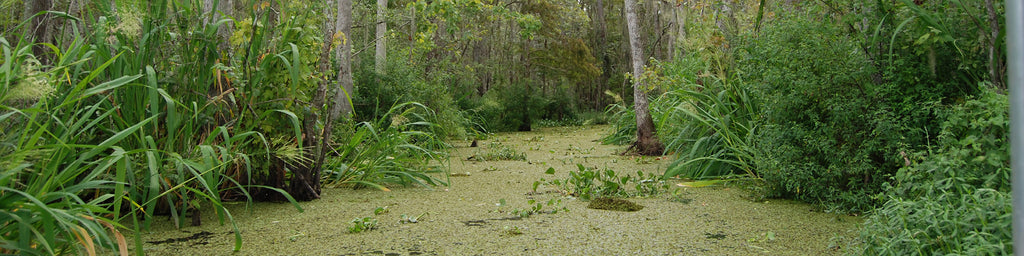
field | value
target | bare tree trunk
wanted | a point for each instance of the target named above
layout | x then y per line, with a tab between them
342	106
382	29
40	30
227	8
209	15
654	10
602	45
525	124
272	13
680	14
65	29
669	10
212	13
412	30
995	57
646	142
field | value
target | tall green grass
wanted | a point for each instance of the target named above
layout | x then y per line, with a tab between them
144	114
711	128
195	150
63	171
708	125
395	149
124	125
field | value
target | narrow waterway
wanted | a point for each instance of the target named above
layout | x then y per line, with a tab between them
467	218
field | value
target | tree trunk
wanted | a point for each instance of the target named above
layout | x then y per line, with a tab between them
305	183
412	31
658	30
646	142
212	13
209	15
40	30
995	57
602	49
342	106
382	29
272	13
680	13
525	124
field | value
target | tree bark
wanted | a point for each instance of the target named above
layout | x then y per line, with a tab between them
40	29
602	45
680	13
382	28
342	106
995	57
305	182
212	13
646	141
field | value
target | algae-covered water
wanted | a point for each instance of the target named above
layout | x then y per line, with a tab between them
467	218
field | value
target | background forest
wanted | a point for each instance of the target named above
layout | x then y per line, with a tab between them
112	112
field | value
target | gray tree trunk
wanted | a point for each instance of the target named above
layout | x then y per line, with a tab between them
646	142
382	29
212	14
342	106
209	15
996	65
602	54
680	17
39	29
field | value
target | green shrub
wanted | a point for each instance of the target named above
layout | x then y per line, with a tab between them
819	139
509	108
842	102
961	224
957	199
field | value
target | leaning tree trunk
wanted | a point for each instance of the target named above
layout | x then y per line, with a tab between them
342	106
646	142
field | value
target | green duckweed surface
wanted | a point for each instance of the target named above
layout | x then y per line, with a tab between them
467	219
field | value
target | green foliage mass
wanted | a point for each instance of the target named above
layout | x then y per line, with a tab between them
886	108
589	183
837	113
398	149
817	141
955	197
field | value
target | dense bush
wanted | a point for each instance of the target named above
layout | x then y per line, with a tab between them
957	198
817	142
401	82
519	108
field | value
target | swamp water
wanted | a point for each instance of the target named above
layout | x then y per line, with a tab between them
468	219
